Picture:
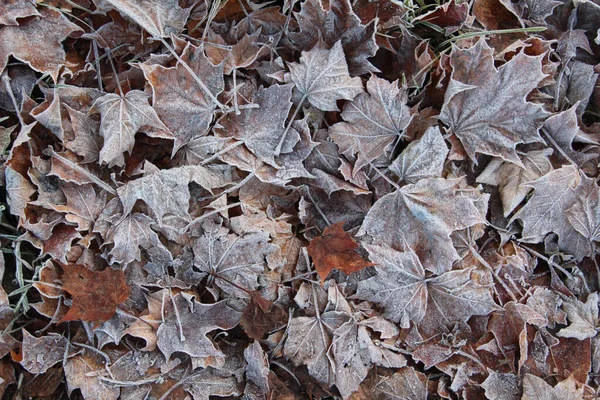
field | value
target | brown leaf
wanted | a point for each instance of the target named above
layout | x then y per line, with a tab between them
96	295
39	354
335	249
11	10
322	77
486	107
373	121
261	316
37	41
179	102
121	118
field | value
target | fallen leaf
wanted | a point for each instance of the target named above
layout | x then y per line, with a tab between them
322	77
583	318
96	294
335	249
486	107
121	118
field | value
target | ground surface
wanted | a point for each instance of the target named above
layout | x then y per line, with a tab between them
291	200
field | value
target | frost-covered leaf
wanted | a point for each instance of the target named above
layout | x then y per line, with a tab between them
535	388
486	107
121	118
334	23
406	384
39	354
422	216
546	210
261	129
583	318
501	386
406	294
180	103
512	179
186	323
166	191
322	77
373	121
422	158
584	216
239	259
257	370
37	41
19	190
160	18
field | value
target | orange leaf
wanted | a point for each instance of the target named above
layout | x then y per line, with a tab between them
335	249
96	295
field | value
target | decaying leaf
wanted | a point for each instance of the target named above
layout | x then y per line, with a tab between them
96	295
186	323
422	216
322	77
373	121
406	294
335	249
121	118
486	107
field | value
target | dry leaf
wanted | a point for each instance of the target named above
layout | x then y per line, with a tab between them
335	249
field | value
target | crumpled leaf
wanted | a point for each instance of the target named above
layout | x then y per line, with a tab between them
583	318
96	294
545	212
239	259
422	158
486	107
166	191
422	216
160	18
121	118
335	249
322	77
512	179
406	294
37	41
179	102
336	23
186	323
373	121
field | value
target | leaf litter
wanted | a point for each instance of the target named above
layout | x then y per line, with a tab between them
300	199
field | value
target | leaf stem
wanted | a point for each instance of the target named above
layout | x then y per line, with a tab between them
289	125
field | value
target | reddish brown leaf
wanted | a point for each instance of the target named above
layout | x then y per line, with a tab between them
336	249
96	295
261	316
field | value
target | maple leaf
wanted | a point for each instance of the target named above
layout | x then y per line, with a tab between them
181	104
373	121
500	386
407	380
545	212
402	288
257	370
337	23
261	129
160	18
422	216
37	41
82	372
166	191
335	249
536	388
512	179
533	11
83	206
422	158
322	77
583	318
562	130
239	259
486	108
18	190
584	216
96	294
186	323
86	140
261	316
121	118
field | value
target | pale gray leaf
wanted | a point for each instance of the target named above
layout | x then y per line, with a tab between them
422	158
